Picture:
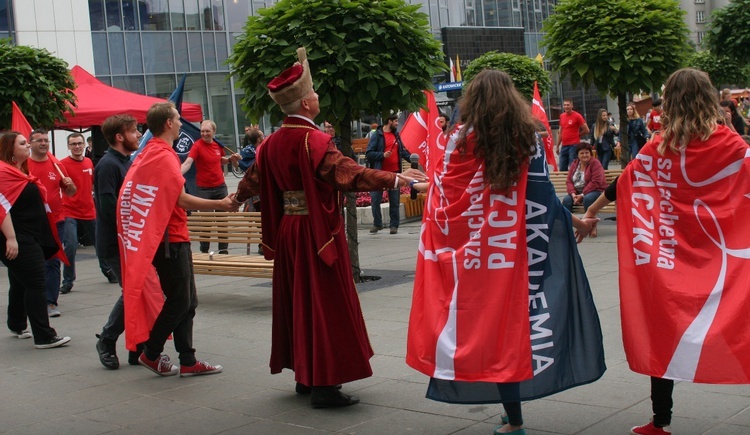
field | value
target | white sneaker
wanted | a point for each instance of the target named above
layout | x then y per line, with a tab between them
22	334
52	310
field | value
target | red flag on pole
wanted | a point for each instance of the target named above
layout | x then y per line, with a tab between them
537	109
421	131
19	123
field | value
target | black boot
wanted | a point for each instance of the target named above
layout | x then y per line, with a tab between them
107	350
331	397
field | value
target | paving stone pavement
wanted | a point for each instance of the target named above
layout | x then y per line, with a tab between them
66	390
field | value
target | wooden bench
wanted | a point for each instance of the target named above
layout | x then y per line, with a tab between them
559	181
232	228
359	146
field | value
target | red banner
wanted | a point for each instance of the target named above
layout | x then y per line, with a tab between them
147	198
684	245
537	109
421	131
471	236
19	123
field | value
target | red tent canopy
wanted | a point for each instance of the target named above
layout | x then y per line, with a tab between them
97	101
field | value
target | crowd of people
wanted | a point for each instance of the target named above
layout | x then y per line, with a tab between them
469	328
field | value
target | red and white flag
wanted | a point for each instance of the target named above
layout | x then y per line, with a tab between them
471	236
684	254
422	134
537	109
147	199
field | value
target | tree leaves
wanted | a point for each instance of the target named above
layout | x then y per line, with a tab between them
382	52
37	81
523	70
729	34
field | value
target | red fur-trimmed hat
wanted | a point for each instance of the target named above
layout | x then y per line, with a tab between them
294	83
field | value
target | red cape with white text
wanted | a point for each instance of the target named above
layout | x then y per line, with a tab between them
471	235
148	195
684	254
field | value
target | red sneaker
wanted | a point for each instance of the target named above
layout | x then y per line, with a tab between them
650	429
161	366
200	368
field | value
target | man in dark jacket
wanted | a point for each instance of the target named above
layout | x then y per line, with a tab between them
385	151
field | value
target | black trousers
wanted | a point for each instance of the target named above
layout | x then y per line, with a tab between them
27	296
661	401
176	316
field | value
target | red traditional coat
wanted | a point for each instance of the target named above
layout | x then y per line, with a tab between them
318	329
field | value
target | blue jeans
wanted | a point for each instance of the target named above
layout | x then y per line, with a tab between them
633	149
604	157
394	197
567	155
588	199
52	271
70	244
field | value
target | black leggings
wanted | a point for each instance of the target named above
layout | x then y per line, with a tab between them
661	401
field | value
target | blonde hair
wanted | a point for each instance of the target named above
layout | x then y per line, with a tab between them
691	109
636	115
601	125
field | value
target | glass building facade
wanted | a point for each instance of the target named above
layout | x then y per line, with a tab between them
146	46
6	20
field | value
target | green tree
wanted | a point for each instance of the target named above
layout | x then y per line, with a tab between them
37	81
619	46
728	33
523	70
372	56
722	70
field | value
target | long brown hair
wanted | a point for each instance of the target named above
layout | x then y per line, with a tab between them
7	147
601	125
635	111
691	109
502	124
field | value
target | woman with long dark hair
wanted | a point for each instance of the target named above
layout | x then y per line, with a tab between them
492	228
637	133
26	241
603	138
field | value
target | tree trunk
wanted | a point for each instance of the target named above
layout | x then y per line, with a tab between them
350	213
624	145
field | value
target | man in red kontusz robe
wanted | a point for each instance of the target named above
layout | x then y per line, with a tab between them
318	329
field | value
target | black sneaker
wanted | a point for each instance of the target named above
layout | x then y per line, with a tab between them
223	251
111	277
52	342
107	353
66	288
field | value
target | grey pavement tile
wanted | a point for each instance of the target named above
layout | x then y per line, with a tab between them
67	425
195	421
138	410
392	367
202	390
333	419
705	405
262	403
727	429
623	421
406	422
605	392
273	427
562	417
742	418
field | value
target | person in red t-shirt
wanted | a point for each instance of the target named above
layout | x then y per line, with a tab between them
572	127
385	151
155	168
654	119
55	180
79	209
209	157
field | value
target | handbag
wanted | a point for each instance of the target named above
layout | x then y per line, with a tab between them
640	139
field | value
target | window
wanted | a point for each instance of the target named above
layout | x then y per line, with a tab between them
700	17
699	2
700	37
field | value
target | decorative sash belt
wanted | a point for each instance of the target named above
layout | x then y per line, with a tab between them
295	203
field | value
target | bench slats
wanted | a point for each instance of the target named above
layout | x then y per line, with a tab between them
559	181
233	228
